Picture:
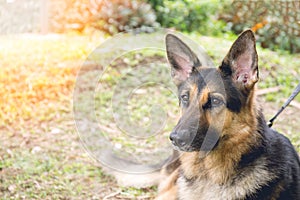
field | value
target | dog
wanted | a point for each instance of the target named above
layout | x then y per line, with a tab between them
225	149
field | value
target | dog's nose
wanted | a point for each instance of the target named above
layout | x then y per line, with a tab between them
173	136
177	139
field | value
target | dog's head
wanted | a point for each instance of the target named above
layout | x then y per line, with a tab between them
212	99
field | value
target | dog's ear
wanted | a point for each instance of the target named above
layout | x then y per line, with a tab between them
182	59
241	61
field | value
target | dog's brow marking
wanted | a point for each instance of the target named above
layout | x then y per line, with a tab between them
193	91
204	96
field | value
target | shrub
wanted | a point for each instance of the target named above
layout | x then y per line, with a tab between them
189	15
276	24
123	15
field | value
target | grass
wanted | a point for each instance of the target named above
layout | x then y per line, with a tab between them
41	156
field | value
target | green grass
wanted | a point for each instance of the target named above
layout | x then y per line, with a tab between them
41	156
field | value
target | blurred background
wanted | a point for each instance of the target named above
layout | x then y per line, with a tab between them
276	24
43	45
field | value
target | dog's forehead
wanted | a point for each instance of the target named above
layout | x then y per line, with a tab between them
209	78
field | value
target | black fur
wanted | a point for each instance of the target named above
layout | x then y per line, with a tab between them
282	160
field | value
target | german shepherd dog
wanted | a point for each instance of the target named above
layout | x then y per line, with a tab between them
226	149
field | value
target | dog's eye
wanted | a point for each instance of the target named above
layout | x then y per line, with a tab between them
184	98
216	101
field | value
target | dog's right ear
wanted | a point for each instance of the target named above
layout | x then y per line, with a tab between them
182	59
241	62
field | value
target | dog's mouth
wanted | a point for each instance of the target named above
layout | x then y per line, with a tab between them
183	147
205	142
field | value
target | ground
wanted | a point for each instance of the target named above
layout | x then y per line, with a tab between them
41	154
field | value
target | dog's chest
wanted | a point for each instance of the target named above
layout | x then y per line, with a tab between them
204	188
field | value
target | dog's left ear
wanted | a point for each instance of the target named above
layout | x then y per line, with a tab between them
241	61
182	59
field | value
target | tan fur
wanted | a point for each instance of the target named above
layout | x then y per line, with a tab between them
168	187
204	188
204	96
193	91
